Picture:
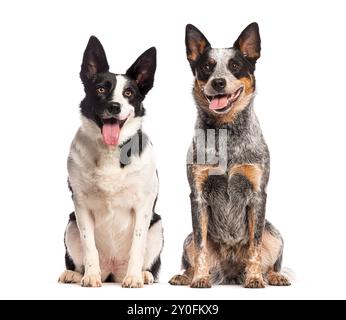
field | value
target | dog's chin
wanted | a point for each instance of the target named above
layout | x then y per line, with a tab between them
223	103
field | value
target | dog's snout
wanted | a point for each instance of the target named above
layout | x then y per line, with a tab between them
219	84
114	108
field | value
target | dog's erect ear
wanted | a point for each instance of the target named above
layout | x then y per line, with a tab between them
196	44
249	42
94	59
143	70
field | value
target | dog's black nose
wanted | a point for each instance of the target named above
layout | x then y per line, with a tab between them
114	108
219	84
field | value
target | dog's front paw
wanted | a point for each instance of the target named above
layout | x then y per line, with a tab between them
133	282
202	283
92	281
254	282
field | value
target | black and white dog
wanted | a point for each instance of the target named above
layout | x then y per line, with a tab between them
114	234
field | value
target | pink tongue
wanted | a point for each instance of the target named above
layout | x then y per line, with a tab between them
218	103
110	133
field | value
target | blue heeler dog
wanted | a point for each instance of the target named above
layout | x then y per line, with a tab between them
231	242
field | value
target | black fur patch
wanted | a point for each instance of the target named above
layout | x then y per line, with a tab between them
240	66
68	260
155	268
72	217
185	263
156	218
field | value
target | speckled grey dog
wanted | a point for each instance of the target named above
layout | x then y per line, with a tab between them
231	241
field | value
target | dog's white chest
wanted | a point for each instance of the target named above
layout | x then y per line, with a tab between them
111	179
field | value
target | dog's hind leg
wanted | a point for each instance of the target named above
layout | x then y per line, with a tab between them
187	261
69	276
73	256
272	252
152	258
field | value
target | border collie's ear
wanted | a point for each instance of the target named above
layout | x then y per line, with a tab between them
249	42
94	60
143	70
196	44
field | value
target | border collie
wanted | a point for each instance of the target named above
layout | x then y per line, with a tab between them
231	242
114	234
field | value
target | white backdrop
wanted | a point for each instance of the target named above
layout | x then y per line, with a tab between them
300	104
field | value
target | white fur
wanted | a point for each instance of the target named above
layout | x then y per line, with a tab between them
118	96
113	205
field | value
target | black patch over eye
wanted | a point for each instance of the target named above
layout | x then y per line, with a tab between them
234	66
207	68
108	85
100	90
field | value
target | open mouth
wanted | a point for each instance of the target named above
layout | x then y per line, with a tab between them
111	130
223	102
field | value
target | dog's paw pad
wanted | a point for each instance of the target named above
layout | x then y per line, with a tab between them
255	282
92	281
180	281
133	282
202	283
277	279
148	278
70	277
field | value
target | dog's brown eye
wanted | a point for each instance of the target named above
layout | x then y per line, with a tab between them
235	67
206	68
100	90
128	93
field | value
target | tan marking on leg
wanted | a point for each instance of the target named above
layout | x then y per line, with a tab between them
252	172
200	174
253	269
201	278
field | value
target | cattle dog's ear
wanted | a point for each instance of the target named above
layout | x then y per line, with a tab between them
196	44
249	42
94	60
143	71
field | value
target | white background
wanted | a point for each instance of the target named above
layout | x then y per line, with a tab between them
300	103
